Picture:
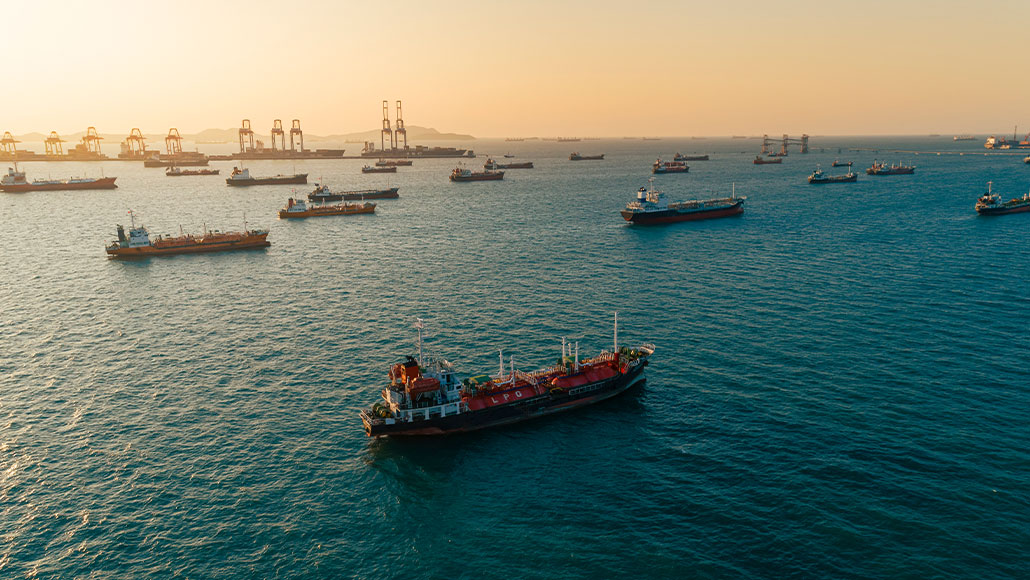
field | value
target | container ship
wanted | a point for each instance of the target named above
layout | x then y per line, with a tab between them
180	159
578	157
280	154
241	178
759	160
839	163
370	169
990	203
322	193
137	244
460	174
879	168
659	167
178	172
394	163
963	138
679	157
416	152
818	177
651	207
15	182
493	165
425	396
297	208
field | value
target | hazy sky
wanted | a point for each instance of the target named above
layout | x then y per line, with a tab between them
520	67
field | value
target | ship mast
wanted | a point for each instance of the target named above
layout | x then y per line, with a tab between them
616	339
419	325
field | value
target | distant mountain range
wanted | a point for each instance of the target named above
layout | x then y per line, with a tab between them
415	134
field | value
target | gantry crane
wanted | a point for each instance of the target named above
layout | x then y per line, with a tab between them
53	144
246	133
173	142
278	134
296	132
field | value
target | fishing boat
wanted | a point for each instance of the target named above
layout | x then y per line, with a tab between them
990	203
759	160
652	207
394	163
839	163
461	174
322	193
679	157
819	177
241	177
179	172
493	165
370	169
425	396
15	182
659	167
879	168
298	208
138	244
578	157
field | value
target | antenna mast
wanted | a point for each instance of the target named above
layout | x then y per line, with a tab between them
419	325
616	341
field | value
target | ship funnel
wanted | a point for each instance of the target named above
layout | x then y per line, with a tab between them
121	234
641	194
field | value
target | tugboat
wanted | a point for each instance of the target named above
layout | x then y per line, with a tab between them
679	157
990	203
241	177
493	165
839	163
15	182
759	160
578	157
139	245
322	194
461	174
394	163
177	172
425	396
818	177
651	207
370	169
895	169
659	167
299	209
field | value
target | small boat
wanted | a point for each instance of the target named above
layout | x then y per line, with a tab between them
323	194
578	157
964	138
491	165
460	174
818	177
241	178
370	169
894	169
393	163
15	182
138	244
651	207
298	208
990	203
659	167
178	172
759	160
839	163
508	156
679	157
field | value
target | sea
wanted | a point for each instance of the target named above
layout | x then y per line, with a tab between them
840	387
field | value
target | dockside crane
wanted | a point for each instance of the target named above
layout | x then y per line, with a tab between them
277	131
8	144
387	132
173	142
400	131
296	132
53	145
92	140
246	134
135	143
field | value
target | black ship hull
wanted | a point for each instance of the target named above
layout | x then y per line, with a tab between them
518	411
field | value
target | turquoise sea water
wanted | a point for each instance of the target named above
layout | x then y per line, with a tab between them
840	388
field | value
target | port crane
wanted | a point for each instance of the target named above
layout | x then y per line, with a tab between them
400	130
7	144
92	140
296	132
173	142
785	143
135	143
246	133
53	144
277	132
387	132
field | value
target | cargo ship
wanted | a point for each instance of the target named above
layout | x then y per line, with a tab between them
577	157
394	163
241	177
15	182
137	244
426	397
322	193
659	167
651	207
370	169
177	172
963	138
679	157
460	174
297	208
839	163
416	152
990	203
879	168
759	160
819	177
181	159
492	165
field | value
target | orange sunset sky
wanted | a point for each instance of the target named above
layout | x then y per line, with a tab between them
495	69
